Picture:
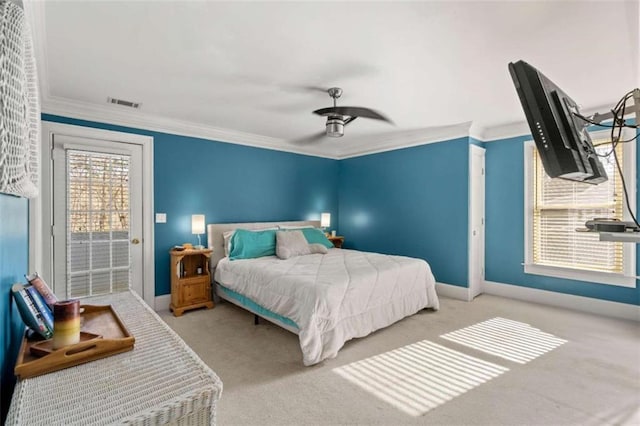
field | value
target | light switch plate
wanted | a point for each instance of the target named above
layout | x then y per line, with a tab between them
161	218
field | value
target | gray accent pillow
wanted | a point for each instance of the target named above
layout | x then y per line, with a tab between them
318	248
293	243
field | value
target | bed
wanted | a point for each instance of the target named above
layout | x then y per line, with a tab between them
326	299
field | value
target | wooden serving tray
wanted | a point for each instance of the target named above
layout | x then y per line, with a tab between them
45	347
96	320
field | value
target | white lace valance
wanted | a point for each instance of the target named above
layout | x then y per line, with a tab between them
19	105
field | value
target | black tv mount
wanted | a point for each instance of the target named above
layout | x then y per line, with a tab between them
598	118
611	229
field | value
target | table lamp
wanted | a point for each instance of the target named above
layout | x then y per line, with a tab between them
325	220
197	227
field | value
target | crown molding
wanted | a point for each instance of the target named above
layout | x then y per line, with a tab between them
503	131
477	132
404	139
113	114
521	128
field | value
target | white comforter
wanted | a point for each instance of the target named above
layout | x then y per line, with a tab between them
333	297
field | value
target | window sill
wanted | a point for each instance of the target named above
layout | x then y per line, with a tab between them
581	275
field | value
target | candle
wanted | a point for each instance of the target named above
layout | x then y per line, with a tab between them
66	323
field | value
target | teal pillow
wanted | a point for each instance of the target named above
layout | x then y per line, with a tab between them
316	236
251	244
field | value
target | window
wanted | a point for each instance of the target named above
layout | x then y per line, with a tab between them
555	208
98	212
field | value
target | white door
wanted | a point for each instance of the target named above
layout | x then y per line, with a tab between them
476	220
97	216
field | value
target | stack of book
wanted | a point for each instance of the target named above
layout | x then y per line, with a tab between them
35	301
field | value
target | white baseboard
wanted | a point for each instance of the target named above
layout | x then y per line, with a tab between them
561	300
452	291
162	302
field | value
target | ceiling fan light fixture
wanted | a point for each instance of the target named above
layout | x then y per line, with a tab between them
335	127
339	117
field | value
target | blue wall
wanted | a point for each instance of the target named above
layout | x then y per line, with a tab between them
227	183
504	243
411	202
14	262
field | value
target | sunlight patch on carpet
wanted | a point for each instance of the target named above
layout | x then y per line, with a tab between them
419	377
512	340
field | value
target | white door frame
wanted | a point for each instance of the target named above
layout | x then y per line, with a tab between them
476	209
41	208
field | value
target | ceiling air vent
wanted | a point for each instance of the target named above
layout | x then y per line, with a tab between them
122	102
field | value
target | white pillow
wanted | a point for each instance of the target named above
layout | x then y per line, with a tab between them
226	236
293	243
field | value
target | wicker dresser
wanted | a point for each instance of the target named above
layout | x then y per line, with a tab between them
162	381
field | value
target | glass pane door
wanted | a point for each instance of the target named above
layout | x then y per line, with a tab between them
98	259
97	221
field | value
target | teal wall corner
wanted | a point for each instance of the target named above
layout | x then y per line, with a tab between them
14	263
411	202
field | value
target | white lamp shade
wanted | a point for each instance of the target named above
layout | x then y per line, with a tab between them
325	220
197	224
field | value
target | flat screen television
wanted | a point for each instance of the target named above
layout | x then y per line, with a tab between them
561	137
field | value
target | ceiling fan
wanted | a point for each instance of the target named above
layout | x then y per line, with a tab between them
339	116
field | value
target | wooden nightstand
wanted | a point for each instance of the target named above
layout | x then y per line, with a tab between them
337	241
190	289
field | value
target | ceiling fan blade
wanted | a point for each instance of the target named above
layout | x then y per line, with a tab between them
353	112
349	120
309	139
361	112
315	89
303	88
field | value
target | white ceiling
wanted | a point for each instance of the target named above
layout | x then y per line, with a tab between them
236	71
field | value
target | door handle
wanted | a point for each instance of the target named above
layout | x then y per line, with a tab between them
135	241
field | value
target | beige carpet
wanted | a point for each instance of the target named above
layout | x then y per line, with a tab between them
500	362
